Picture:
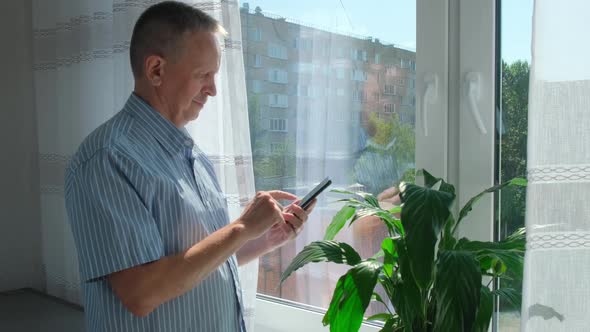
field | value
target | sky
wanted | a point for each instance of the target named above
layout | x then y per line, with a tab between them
394	21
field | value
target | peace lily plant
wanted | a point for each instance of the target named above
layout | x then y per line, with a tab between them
433	279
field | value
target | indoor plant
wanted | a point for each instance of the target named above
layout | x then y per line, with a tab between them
432	279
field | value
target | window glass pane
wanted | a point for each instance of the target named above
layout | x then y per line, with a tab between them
329	98
515	23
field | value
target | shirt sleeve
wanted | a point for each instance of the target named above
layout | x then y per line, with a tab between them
107	200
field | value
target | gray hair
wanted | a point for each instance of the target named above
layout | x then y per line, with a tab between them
160	29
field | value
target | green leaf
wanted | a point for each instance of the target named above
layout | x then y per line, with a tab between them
430	181
351	297
519	182
448	240
342	191
506	256
484	310
390	255
322	251
457	291
369	198
511	295
469	205
377	297
423	216
384	316
338	222
395	209
393	324
405	296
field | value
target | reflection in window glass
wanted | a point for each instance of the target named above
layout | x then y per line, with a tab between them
334	108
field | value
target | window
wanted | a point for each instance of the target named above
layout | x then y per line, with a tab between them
278	147
390	89
278	76
304	91
257	61
359	75
256	86
359	95
255	34
303	43
327	109
277	51
278	125
340	73
359	55
389	108
511	157
278	100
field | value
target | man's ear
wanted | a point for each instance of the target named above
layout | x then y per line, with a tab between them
154	69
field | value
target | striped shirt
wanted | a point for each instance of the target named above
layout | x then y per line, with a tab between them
138	189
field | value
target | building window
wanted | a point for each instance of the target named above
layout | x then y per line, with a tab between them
359	75
390	89
256	34
278	76
377	58
304	91
359	95
359	55
257	61
277	51
302	43
340	92
256	86
389	108
279	125
278	147
340	73
278	100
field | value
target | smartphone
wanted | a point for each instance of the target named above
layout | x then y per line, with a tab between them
306	201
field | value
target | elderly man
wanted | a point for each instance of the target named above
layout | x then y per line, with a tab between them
156	247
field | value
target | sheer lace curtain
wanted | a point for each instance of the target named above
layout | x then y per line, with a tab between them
557	263
82	77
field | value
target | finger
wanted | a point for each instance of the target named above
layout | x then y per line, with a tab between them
293	221
298	211
311	206
277	194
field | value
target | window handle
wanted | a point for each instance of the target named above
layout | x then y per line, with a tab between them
473	91
430	97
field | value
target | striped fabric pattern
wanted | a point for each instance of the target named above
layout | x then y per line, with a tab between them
138	189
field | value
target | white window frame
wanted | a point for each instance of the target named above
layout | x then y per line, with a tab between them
454	38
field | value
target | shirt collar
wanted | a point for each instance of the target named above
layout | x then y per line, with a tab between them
163	130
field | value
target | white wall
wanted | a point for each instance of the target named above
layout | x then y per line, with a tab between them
20	238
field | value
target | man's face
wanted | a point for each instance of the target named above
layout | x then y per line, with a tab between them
189	80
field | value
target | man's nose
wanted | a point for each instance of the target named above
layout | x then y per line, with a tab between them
211	89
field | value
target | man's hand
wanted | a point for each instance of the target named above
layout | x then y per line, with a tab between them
263	212
295	218
390	195
292	220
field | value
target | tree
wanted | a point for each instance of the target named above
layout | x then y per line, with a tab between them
389	152
515	94
513	145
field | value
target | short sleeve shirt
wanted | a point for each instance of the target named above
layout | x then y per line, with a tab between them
138	189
